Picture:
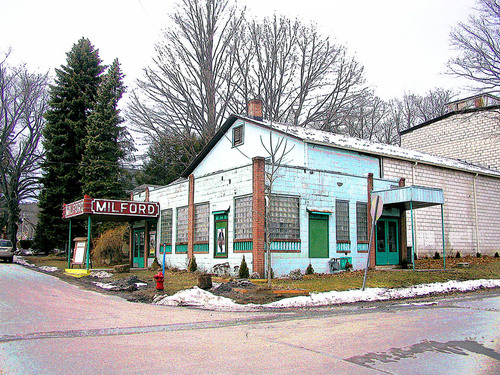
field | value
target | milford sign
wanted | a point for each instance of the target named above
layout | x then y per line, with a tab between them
101	206
108	207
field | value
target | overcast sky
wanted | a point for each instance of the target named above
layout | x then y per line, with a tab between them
403	44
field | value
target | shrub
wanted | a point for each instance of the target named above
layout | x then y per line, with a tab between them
496	255
192	267
478	255
295	274
310	270
437	256
458	256
404	264
108	247
243	272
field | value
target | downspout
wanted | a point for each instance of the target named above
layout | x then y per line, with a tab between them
475	212
413	218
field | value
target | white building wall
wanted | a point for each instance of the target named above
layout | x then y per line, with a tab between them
219	189
473	137
459	209
224	156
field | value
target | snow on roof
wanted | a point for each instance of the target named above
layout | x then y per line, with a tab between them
315	136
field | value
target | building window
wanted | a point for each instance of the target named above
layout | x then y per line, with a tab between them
243	218
166	227
182	224
284	218
362	222
201	222
342	219
238	135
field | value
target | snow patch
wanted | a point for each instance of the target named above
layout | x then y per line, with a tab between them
200	298
100	274
48	269
20	260
106	286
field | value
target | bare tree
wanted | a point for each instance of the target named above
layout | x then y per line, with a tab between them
23	100
212	62
411	110
478	42
277	150
189	89
301	76
366	118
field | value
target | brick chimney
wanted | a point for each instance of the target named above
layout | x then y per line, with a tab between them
255	109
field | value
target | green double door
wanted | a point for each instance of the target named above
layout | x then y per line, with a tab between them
387	242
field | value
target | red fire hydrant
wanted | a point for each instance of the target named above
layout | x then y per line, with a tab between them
159	280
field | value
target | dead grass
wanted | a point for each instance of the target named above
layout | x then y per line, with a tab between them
426	271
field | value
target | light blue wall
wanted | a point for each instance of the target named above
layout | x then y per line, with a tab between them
318	190
343	161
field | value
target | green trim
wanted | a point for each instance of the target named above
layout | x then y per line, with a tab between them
362	247
200	248
285	246
343	247
243	246
322	213
166	249
181	249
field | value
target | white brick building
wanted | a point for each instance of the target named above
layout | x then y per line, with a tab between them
471	135
320	203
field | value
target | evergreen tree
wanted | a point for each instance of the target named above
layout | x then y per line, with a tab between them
72	99
100	167
167	158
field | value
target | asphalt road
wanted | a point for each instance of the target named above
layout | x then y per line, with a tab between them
50	327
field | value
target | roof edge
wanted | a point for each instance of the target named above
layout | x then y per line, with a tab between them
449	114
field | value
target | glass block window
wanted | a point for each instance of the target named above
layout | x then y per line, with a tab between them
166	226
342	220
284	218
243	217
362	222
201	222
182	224
238	135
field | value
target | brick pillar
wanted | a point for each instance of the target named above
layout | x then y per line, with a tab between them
258	215
371	250
403	241
191	217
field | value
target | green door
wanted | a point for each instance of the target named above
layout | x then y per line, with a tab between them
387	240
138	248
220	239
318	236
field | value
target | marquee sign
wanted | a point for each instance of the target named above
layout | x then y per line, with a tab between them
109	207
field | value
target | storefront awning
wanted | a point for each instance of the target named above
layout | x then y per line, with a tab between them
110	210
412	196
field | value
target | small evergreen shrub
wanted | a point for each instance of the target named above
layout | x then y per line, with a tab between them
310	270
478	255
458	256
404	264
192	267
243	272
496	255
437	256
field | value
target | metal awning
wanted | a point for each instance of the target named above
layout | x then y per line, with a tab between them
412	196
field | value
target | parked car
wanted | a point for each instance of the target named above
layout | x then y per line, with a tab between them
6	250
